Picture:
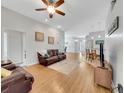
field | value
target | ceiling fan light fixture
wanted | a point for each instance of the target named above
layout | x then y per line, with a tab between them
51	9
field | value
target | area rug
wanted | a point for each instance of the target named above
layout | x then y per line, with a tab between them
65	66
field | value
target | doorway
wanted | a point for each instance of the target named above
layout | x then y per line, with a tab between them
79	45
13	46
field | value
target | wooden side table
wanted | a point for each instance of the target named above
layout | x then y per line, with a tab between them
103	76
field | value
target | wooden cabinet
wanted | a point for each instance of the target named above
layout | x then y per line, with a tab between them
103	76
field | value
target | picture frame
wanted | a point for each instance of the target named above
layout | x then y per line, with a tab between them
50	40
114	26
113	2
39	36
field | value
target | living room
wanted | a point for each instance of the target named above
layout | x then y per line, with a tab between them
61	52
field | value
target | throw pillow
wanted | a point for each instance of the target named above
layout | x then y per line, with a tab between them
43	52
5	72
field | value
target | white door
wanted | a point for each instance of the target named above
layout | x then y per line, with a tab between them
14	45
77	46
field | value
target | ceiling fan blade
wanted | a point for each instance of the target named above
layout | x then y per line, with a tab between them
45	2
51	15
60	12
58	3
41	9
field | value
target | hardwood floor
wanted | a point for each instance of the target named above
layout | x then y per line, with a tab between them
80	80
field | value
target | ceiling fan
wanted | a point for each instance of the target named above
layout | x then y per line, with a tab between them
51	7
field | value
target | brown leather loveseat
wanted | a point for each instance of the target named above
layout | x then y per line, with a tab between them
20	81
53	56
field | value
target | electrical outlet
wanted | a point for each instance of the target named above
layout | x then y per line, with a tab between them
120	88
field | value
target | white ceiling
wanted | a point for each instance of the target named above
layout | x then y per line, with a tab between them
78	12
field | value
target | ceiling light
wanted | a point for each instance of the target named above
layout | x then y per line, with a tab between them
51	9
46	20
76	40
99	36
92	38
58	26
81	36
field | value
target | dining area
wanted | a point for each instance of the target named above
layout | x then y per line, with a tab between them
92	54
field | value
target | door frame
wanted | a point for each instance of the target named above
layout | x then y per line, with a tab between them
23	44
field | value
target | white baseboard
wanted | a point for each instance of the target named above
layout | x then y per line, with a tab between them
31	64
28	64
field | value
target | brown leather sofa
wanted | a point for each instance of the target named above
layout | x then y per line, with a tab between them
53	56
42	60
20	81
55	52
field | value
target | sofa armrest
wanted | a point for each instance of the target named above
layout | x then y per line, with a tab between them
9	66
7	62
12	79
28	76
41	59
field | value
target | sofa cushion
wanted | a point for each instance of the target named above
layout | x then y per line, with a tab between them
52	60
56	52
52	52
5	72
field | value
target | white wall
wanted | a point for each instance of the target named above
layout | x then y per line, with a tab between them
17	22
114	43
